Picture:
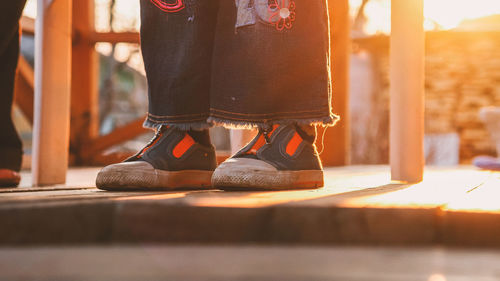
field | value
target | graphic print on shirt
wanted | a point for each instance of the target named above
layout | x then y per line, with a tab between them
279	13
171	6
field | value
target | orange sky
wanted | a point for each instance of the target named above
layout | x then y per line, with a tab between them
446	13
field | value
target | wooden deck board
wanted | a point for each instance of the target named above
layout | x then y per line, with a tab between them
358	205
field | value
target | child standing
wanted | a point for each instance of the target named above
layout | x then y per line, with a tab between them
245	63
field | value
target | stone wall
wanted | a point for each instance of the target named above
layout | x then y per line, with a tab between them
462	75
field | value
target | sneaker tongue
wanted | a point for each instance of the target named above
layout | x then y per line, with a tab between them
261	141
250	151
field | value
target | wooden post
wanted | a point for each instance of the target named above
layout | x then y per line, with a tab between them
407	91
337	139
52	92
84	79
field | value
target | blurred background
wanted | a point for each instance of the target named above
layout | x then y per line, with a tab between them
462	76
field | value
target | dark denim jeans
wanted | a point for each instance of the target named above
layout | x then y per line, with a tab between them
10	145
238	63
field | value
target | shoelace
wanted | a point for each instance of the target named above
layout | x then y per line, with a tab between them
266	131
257	143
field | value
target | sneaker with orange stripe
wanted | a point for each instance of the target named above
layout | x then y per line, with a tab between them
282	157
171	160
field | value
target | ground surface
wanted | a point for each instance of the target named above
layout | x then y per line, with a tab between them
235	263
358	205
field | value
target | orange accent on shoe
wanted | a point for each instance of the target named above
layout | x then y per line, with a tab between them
183	146
274	129
261	141
294	143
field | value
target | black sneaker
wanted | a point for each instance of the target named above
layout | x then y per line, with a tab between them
173	159
283	157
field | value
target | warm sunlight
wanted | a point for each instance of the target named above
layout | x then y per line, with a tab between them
450	13
440	14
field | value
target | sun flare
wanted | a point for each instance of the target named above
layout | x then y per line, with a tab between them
439	14
450	13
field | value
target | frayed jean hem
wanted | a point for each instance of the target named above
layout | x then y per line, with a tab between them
325	121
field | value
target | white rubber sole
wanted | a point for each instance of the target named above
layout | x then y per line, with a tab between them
142	176
250	174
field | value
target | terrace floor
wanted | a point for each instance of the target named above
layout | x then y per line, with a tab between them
457	206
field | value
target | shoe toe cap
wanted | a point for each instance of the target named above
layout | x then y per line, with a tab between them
127	174
243	172
253	174
244	165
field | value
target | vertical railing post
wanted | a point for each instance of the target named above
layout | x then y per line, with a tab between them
52	92
407	90
337	139
84	80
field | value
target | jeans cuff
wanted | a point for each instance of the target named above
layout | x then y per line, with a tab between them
326	121
185	126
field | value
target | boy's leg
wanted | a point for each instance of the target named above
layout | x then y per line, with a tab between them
10	143
271	71
177	41
274	65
